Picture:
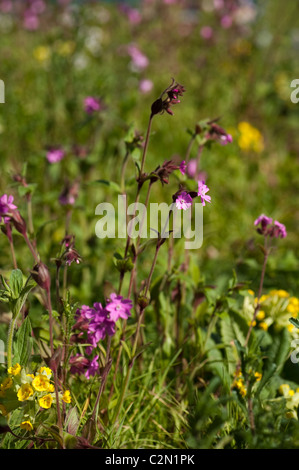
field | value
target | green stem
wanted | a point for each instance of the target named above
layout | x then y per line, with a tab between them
10	340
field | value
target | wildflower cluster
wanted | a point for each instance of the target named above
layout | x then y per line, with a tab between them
276	307
268	228
32	393
94	324
239	381
292	400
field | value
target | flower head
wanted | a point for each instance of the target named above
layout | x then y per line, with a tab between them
92	104
268	228
6	207
26	425
45	401
183	167
66	397
25	392
118	307
217	133
15	370
183	201
202	190
54	155
169	97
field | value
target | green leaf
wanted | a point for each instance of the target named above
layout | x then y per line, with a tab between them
294	322
16	282
111	184
23	346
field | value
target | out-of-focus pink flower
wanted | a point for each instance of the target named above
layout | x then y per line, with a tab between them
206	32
263	220
6	207
6	6
31	21
69	194
92	104
183	201
54	155
192	168
226	21
139	60
38	7
202	190
133	15
183	167
268	228
279	230
145	85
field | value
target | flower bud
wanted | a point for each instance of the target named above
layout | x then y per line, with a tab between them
41	275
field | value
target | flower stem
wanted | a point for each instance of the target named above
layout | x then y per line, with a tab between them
10	341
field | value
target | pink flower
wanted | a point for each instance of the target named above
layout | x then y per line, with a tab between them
268	228
54	155
92	105
6	207
202	190
183	201
226	21
118	307
192	168
279	230
31	21
183	167
206	32
263	220
139	60
145	85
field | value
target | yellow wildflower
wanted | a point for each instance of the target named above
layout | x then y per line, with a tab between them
24	392
250	138
7	383
41	383
264	325
51	388
261	315
45	401
3	410
290	328
42	53
15	370
30	375
257	376
253	323
26	425
47	371
284	389
66	397
251	292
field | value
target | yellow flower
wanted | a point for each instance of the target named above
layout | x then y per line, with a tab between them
66	48
290	328
45	401
41	383
284	389
257	376
3	410
251	292
243	391
42	53
30	375
250	138
51	388
7	383
280	292
66	397
291	393
26	425
253	323
15	370
264	325
47	370
261	315
264	297
24	392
